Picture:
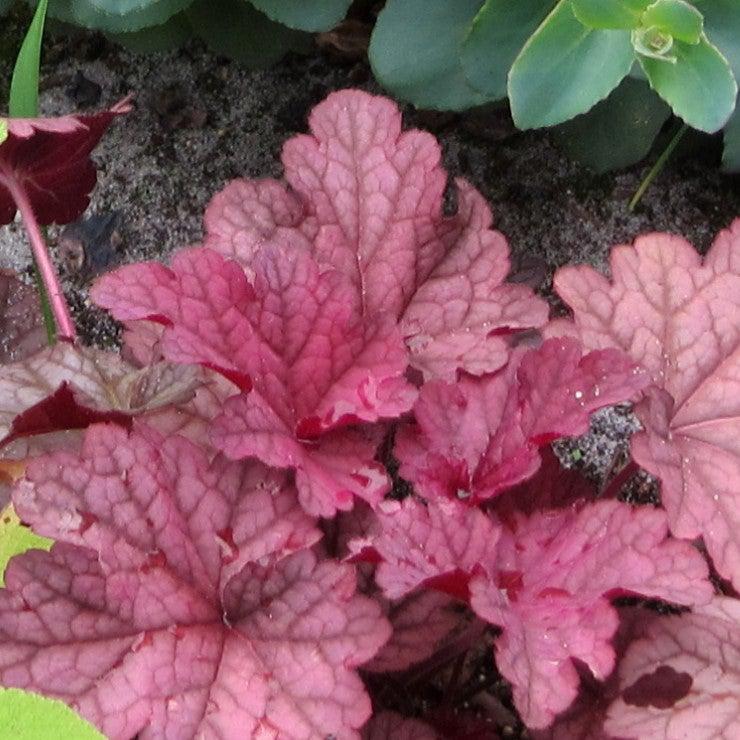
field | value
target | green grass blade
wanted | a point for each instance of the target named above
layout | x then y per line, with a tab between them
24	87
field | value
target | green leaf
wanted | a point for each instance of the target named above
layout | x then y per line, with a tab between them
415	52
3	130
497	35
731	154
170	35
677	18
305	15
609	13
16	539
722	27
618	131
654	43
120	16
241	32
698	86
24	87
27	716
565	69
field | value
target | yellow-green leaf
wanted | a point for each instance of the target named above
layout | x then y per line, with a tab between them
15	538
27	716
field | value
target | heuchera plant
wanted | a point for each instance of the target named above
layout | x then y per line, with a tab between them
327	330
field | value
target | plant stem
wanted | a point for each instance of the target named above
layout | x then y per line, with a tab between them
57	301
658	166
49	323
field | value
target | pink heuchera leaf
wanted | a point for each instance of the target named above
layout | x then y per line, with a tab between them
550	588
174	602
477	437
677	316
67	387
438	546
298	338
49	158
683	678
366	199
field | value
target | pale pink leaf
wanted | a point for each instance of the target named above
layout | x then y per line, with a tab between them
298	340
682	680
98	385
174	603
549	591
367	200
677	316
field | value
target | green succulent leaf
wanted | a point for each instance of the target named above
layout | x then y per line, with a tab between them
3	130
654	43
305	15
27	716
116	16
15	539
698	85
169	35
24	86
731	154
677	18
565	68
241	32
497	35
722	27
609	13
618	131
415	52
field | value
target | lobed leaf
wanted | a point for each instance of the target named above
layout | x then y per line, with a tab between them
675	314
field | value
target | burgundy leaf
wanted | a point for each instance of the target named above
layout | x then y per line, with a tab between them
393	726
682	679
174	602
367	200
297	337
21	321
550	588
677	316
477	437
49	158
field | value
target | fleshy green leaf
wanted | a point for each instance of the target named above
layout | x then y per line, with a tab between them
15	538
415	52
731	154
497	35
169	35
609	13
24	87
618	131
304	15
241	32
722	26
28	716
565	69
3	130
116	16
699	85
677	18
